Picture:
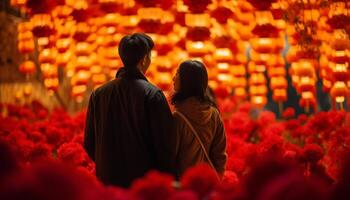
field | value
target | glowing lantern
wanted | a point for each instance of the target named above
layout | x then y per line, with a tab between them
339	92
83	49
260	90
223	55
51	84
304	68
25	38
81	78
340	72
240	93
63	44
63	58
62	12
258	101
257	79
82	63
78	92
27	67
239	82
47	56
278	82
198	48
98	79
49	70
26	46
279	95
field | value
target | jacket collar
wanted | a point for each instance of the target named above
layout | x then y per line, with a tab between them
130	73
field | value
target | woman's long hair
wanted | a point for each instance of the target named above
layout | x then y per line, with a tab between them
193	83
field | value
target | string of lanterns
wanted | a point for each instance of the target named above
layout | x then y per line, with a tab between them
80	38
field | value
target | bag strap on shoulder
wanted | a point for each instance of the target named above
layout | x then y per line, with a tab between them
197	137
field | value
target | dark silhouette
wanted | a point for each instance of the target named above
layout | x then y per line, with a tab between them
129	124
193	104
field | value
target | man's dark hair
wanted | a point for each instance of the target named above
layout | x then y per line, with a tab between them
132	48
193	83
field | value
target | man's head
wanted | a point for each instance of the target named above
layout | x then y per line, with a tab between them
135	51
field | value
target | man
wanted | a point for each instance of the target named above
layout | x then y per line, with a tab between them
129	124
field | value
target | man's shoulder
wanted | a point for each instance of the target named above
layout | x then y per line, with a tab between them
106	86
148	88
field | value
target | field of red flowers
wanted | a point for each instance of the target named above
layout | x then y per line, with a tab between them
297	157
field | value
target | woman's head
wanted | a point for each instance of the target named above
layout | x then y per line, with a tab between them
191	80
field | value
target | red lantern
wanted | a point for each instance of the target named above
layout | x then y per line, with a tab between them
26	46
339	92
279	95
27	67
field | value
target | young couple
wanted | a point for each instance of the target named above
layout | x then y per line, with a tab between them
131	130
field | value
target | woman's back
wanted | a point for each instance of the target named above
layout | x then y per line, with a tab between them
206	121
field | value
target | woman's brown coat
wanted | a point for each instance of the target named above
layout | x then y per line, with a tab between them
207	122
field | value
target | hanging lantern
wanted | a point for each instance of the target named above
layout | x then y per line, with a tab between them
25	47
27	67
339	92
279	95
51	84
47	56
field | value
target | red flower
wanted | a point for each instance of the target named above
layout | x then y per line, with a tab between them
272	129
72	153
40	151
184	195
292	124
266	117
200	179
312	153
230	178
154	186
288	113
302	118
235	164
36	136
241	124
245	107
271	145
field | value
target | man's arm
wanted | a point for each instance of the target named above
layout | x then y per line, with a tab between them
162	133
89	138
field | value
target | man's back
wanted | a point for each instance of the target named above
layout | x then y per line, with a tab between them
129	129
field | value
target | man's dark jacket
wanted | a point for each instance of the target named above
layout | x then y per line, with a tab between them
129	129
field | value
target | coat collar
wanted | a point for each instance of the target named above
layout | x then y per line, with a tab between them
130	73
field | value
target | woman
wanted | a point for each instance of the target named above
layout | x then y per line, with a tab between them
199	128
